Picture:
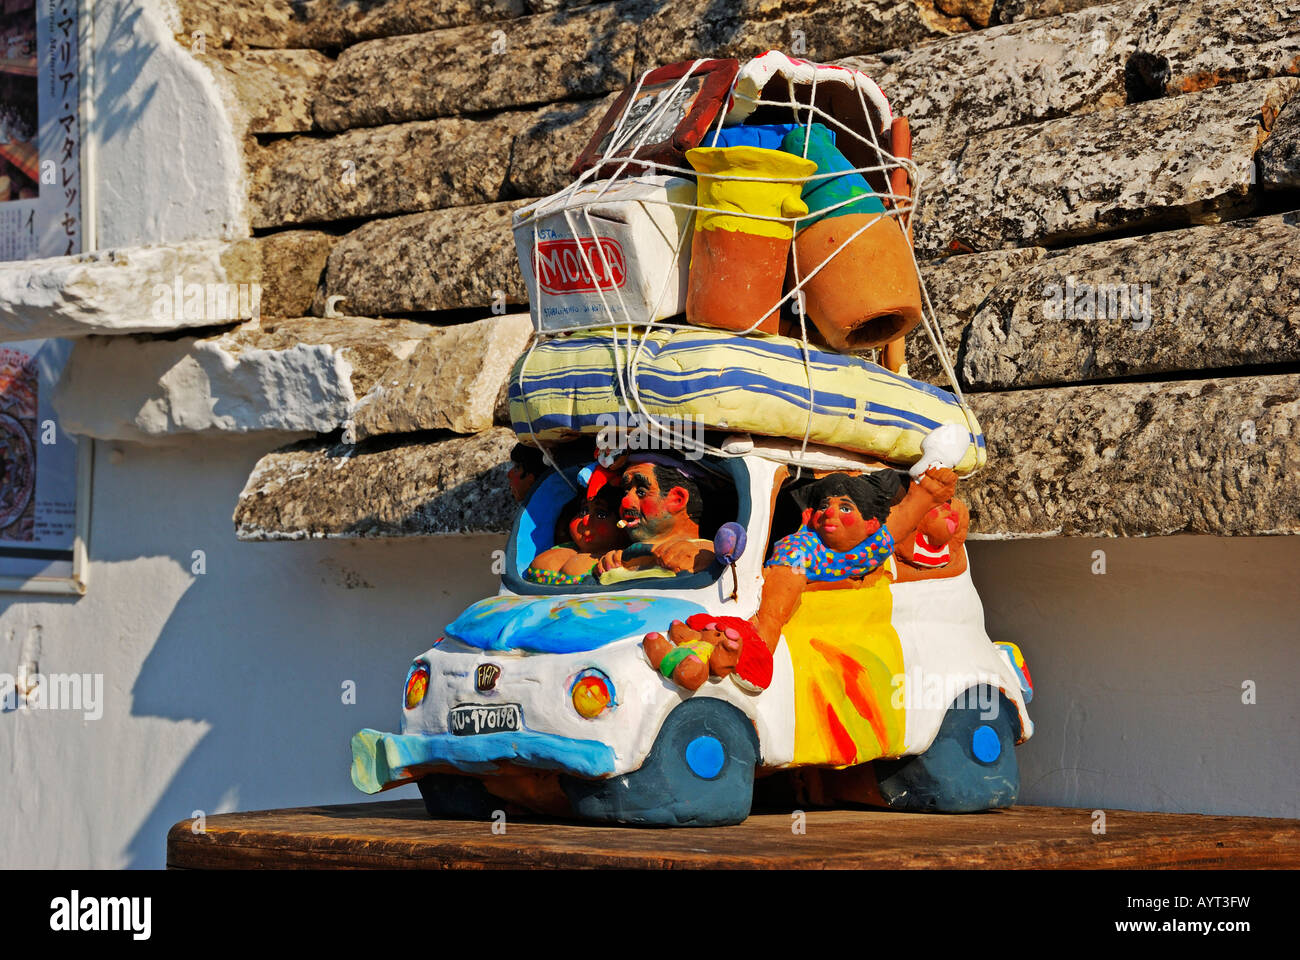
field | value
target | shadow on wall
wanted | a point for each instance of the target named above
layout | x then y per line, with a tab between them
123	55
286	658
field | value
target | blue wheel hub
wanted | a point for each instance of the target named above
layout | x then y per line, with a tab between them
705	757
985	744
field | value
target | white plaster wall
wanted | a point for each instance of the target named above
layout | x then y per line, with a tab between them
1139	671
169	166
224	690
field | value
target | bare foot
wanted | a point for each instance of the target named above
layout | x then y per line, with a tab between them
656	647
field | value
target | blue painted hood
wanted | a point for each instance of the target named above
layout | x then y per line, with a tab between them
565	624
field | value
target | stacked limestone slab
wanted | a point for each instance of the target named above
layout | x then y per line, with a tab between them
1140	158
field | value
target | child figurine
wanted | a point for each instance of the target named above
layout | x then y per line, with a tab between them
937	549
594	532
706	646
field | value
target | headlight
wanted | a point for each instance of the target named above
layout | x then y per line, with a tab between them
593	693
417	683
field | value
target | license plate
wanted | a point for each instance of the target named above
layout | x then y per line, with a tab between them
485	718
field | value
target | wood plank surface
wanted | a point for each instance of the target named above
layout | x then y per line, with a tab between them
399	835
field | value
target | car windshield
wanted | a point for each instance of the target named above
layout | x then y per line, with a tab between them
565	528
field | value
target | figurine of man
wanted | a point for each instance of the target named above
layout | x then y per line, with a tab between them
660	511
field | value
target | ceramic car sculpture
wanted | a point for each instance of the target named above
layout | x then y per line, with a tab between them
755	578
544	697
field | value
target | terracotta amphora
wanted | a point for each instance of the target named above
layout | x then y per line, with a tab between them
739	258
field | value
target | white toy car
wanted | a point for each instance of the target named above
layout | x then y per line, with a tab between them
543	696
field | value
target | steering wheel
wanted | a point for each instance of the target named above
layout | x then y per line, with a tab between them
638	550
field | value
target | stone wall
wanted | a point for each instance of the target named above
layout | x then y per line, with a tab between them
1107	205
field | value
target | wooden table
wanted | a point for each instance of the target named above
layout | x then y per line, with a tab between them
398	834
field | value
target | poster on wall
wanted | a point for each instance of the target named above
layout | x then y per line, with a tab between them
42	475
40	130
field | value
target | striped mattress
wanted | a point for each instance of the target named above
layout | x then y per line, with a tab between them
744	384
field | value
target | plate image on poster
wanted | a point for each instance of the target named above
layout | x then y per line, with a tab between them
19	102
17	480
44	480
18	407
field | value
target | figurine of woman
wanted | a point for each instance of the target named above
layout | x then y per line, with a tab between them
851	524
826	590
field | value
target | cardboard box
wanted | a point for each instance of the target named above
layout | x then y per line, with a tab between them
592	258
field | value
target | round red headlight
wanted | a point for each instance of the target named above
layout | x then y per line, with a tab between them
417	684
593	693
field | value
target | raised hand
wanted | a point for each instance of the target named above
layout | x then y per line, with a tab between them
940	483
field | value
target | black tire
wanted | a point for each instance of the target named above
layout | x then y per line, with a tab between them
671	788
451	797
949	777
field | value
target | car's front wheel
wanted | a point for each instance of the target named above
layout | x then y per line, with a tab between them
699	773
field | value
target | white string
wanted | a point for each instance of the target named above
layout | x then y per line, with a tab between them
798	283
900	206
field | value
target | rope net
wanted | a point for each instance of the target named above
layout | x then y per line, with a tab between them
625	155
